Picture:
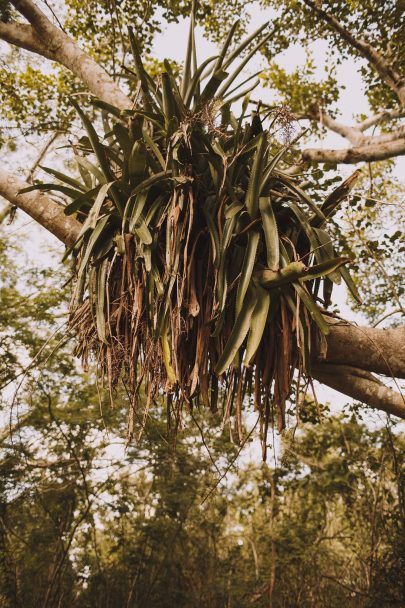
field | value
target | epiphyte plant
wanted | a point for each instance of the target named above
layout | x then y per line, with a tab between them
201	256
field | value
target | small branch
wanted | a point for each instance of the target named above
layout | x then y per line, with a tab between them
8	430
353	134
389	314
341	584
395	136
356	136
42	155
5	213
365	148
380	117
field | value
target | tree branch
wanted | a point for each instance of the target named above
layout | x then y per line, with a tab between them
377	118
353	134
385	70
41	208
43	38
10	428
23	36
346	347
381	351
362	386
344	359
368	152
396	135
365	148
42	154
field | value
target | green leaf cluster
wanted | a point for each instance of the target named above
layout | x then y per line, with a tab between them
200	258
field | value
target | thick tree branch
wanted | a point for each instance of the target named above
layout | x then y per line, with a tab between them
344	359
44	38
365	148
381	351
368	152
345	348
362	386
395	81
23	35
32	13
40	207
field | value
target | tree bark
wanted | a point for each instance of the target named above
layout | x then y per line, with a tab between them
362	386
381	351
365	153
41	208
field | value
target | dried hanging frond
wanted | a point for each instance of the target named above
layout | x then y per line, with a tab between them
200	259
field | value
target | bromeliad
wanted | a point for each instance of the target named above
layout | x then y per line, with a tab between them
200	259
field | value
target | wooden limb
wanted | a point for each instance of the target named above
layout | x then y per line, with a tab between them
40	207
42	154
362	386
381	351
378	118
364	148
368	152
353	134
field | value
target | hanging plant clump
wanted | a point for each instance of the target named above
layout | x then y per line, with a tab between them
200	259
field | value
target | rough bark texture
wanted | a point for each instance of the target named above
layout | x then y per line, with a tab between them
344	359
365	153
365	149
381	351
362	386
40	207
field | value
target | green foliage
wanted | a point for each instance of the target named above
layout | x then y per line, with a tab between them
34	102
301	91
169	523
380	23
82	527
371	218
100	28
